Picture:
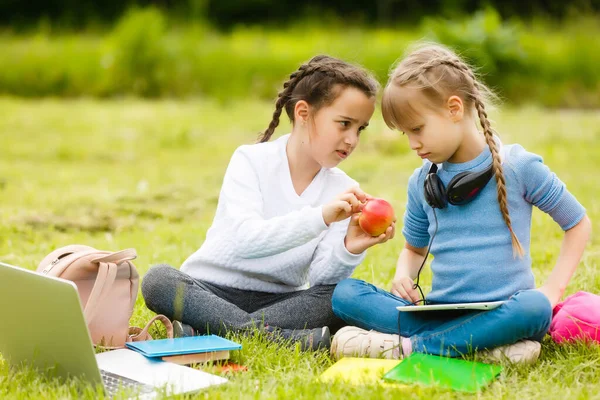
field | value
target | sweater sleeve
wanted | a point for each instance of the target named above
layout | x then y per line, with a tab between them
416	224
332	262
242	203
545	190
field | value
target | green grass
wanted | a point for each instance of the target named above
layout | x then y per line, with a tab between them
143	174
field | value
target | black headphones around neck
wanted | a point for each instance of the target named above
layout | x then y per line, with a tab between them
462	189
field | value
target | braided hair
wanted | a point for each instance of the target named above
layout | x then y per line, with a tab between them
439	73
318	82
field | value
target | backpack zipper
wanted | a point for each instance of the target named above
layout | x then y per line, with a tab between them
50	266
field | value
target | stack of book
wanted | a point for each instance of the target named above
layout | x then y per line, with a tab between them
187	350
197	358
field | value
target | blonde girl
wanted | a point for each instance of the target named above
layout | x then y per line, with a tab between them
470	205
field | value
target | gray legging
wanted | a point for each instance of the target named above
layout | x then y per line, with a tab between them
209	308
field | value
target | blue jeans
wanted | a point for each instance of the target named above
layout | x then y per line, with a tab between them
526	315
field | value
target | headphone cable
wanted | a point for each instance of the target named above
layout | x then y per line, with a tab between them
416	285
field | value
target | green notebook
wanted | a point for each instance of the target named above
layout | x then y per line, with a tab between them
451	373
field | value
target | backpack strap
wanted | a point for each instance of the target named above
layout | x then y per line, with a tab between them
55	256
107	273
137	334
117	257
105	280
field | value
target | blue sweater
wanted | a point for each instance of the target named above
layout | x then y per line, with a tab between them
473	256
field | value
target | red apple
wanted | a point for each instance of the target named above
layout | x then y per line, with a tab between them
376	216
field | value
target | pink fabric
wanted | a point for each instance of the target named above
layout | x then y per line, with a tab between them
576	318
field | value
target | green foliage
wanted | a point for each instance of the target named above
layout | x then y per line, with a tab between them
147	55
139	54
488	43
566	58
42	66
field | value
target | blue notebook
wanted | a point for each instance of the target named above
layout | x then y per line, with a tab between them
184	345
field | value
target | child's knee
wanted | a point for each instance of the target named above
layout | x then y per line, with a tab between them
154	280
345	293
535	306
345	289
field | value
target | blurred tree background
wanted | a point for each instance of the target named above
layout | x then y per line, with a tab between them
227	13
538	51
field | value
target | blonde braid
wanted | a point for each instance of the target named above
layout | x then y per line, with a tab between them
499	173
497	162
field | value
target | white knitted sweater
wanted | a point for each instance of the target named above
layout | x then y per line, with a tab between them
265	237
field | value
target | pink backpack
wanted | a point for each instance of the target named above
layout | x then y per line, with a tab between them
107	283
576	318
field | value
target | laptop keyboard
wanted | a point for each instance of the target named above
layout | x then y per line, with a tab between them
113	383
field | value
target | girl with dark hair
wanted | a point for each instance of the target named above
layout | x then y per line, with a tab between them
286	227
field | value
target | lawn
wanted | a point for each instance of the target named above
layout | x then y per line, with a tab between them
146	174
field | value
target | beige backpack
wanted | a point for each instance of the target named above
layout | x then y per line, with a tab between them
107	283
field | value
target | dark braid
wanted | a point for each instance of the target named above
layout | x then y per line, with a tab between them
314	82
282	98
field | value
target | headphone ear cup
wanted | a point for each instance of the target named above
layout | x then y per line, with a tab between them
435	193
454	189
464	187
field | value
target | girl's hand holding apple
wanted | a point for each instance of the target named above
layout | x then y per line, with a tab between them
358	240
375	224
373	220
376	216
346	204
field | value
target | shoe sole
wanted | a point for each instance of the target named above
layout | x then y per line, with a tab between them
523	352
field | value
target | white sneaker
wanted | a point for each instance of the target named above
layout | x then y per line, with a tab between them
522	352
352	341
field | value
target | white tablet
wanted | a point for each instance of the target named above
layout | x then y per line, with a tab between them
486	305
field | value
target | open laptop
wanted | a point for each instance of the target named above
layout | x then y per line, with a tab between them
49	332
486	305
